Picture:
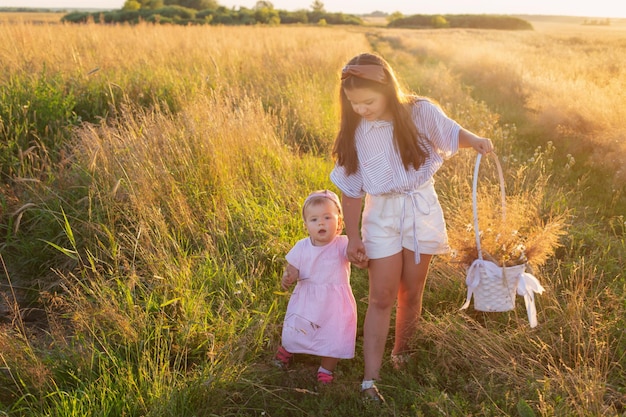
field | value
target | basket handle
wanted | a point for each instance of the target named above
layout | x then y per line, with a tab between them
474	199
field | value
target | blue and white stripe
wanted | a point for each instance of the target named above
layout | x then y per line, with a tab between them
381	171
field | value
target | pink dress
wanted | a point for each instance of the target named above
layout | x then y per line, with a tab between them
321	314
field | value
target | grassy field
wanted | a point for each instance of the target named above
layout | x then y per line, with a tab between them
33	18
152	178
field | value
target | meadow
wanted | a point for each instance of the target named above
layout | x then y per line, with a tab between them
152	178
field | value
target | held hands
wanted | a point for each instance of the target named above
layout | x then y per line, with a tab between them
356	253
290	276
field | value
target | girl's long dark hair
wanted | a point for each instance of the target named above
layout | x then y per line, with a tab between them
406	137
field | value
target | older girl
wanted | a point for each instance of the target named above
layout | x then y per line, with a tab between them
387	150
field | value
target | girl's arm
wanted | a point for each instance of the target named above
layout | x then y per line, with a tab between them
352	215
468	139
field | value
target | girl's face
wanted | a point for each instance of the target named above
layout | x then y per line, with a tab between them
369	104
322	222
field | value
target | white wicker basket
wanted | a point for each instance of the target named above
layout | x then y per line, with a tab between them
493	287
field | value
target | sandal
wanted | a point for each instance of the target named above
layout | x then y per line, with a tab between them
370	393
324	378
399	361
282	358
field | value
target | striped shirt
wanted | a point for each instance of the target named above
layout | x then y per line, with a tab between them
380	169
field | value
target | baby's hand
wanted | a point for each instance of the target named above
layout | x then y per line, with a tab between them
362	264
290	276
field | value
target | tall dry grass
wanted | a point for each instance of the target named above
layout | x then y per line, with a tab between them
191	188
172	64
172	214
34	18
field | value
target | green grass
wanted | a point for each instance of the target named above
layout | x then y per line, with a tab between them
152	245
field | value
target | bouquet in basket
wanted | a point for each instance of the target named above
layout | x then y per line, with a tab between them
526	237
499	239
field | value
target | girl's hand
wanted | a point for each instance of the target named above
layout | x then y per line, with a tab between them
482	145
351	216
356	253
290	276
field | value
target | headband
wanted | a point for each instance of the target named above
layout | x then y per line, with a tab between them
324	194
368	72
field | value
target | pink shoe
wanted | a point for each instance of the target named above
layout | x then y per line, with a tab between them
324	378
282	358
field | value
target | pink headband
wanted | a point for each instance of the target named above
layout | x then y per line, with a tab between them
323	194
368	72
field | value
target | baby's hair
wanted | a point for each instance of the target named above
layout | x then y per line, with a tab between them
317	197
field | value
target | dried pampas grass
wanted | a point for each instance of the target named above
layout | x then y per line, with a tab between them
529	233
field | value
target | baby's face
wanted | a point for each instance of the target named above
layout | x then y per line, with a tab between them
322	222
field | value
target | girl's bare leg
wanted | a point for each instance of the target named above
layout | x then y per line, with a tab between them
410	294
384	280
329	363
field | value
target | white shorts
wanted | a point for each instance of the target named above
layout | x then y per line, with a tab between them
412	220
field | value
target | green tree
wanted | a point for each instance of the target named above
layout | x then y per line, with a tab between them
266	15
155	4
131	5
394	16
440	22
262	4
318	6
193	4
299	16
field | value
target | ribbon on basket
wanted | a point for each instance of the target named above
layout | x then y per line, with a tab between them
527	286
494	287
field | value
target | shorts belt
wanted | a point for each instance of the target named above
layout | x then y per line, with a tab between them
419	204
416	198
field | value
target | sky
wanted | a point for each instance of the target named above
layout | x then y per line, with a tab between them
586	8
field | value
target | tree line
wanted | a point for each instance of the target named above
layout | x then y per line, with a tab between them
210	12
461	21
201	12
